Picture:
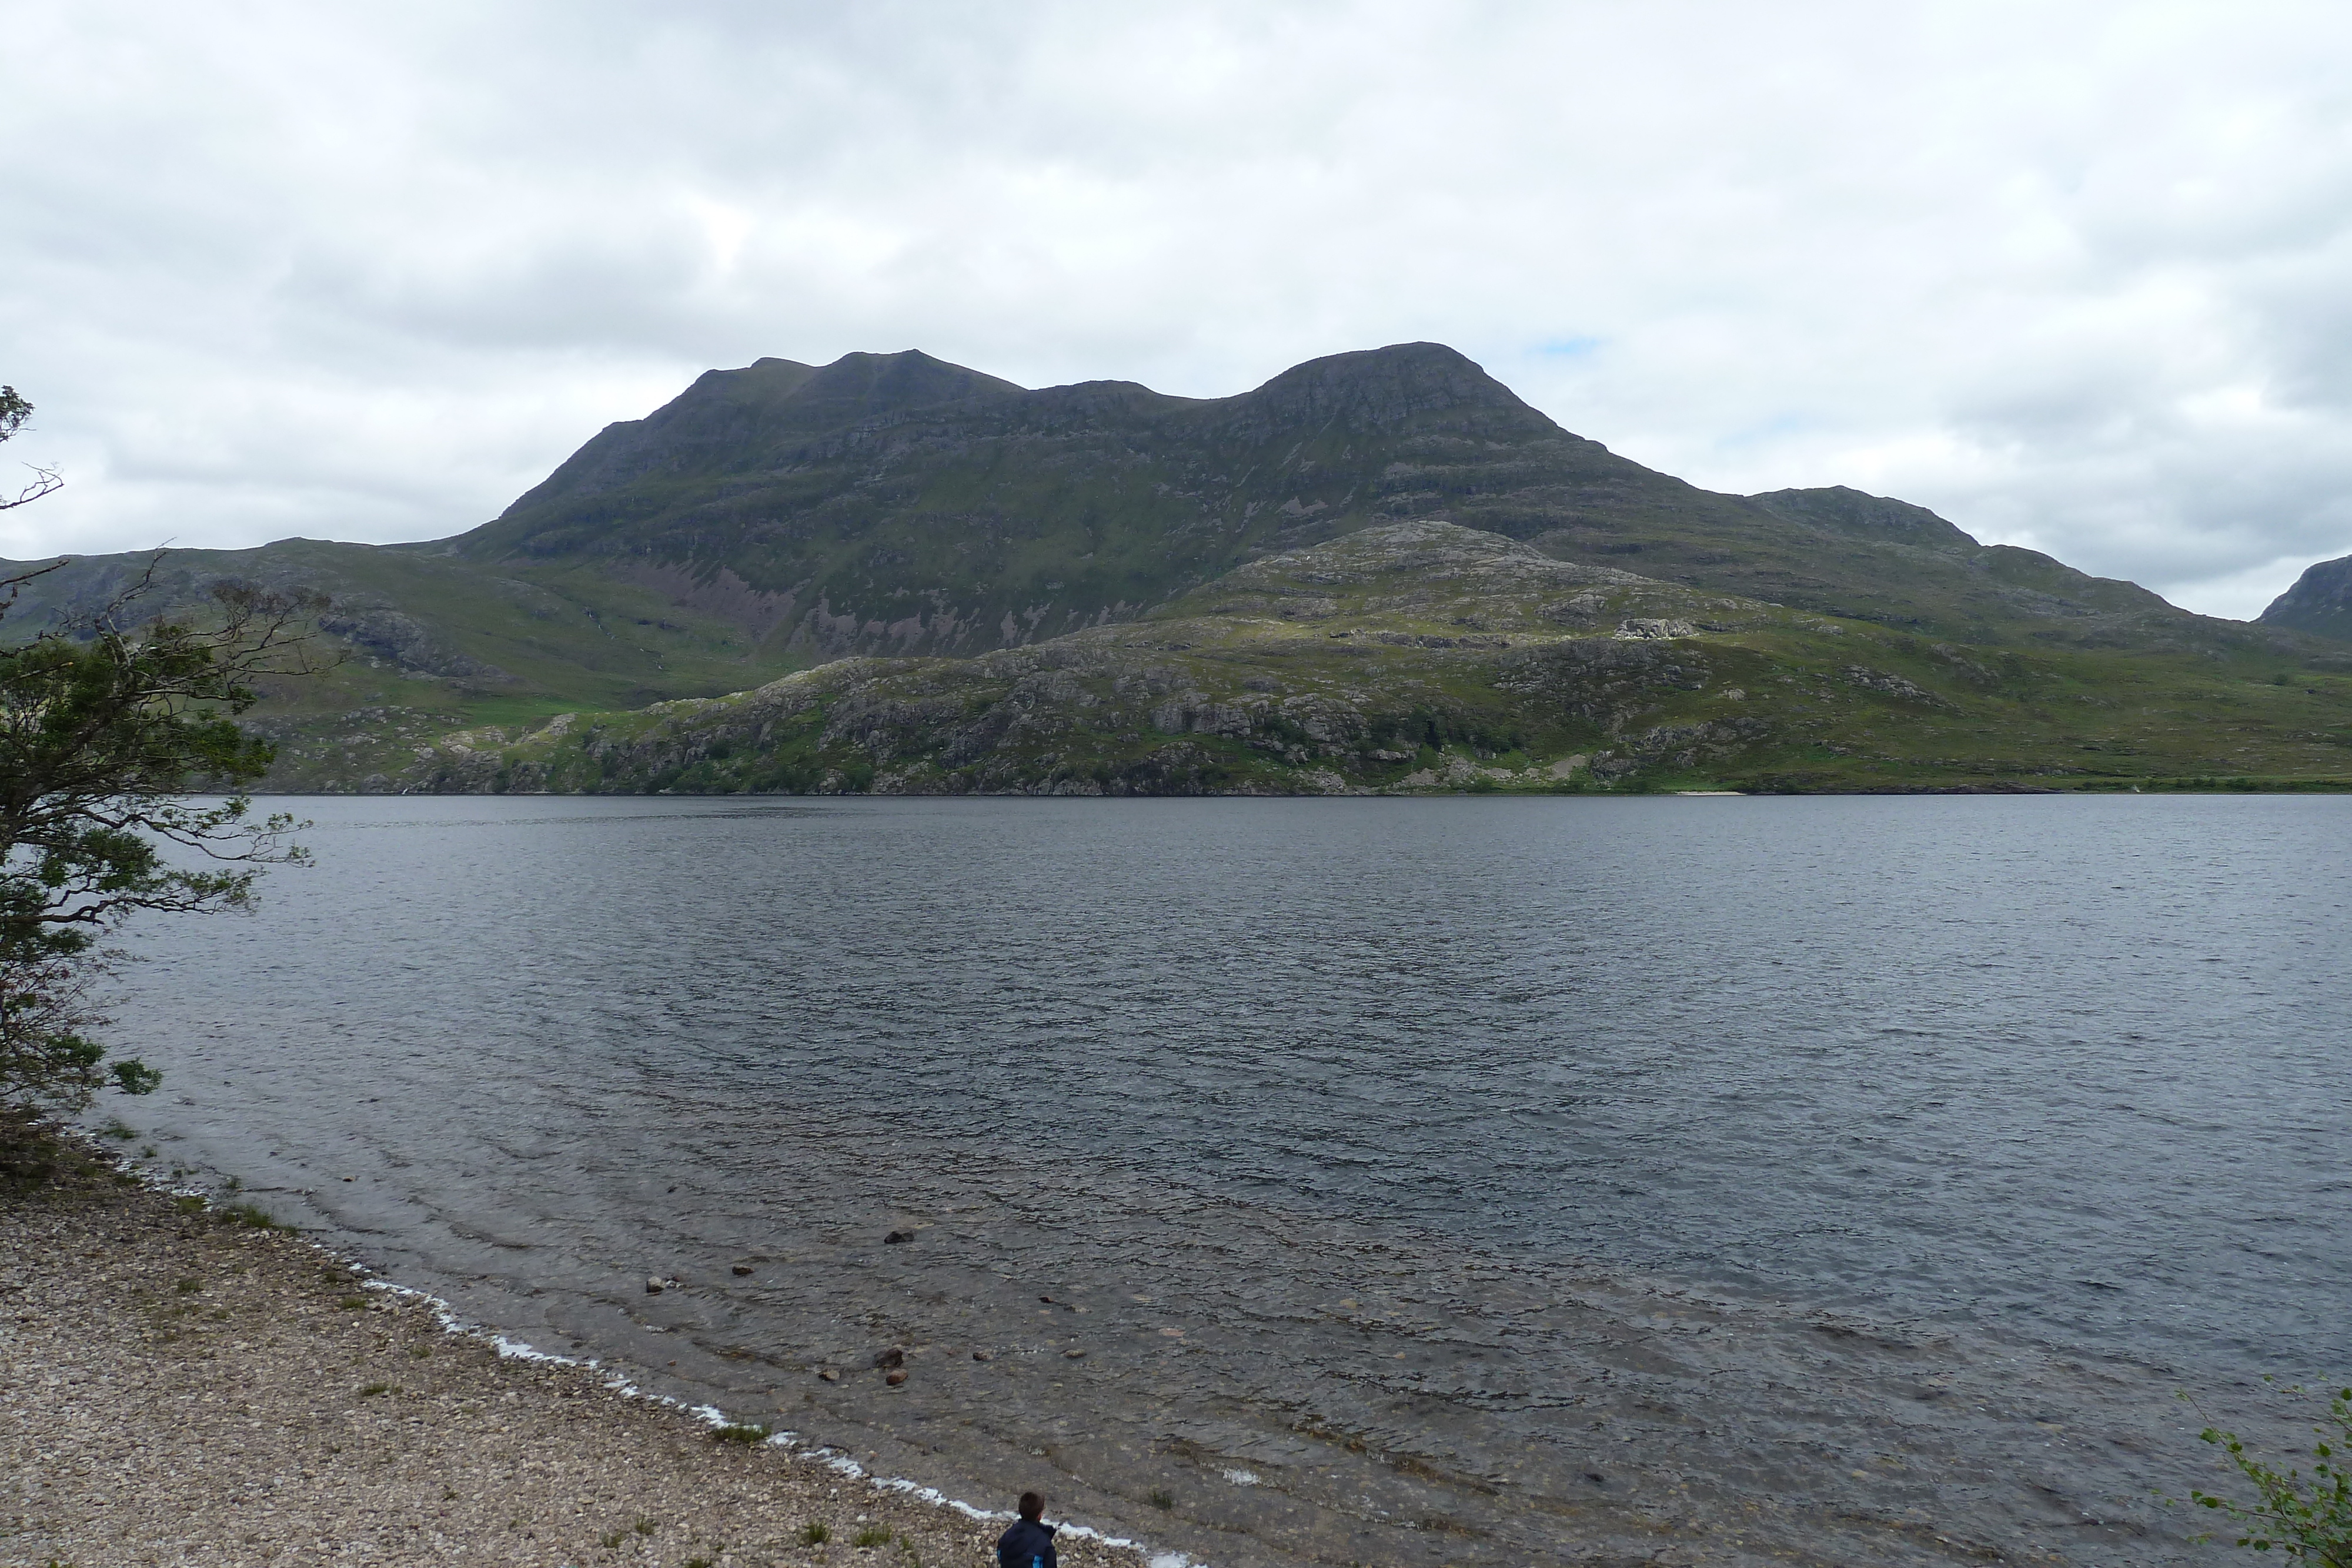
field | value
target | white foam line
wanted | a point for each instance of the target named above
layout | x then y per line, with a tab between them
710	1414
511	1349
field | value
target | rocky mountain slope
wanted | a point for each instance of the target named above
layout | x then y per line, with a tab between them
785	517
1426	655
2320	603
897	505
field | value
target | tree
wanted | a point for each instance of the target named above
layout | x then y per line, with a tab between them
13	411
2305	1518
105	729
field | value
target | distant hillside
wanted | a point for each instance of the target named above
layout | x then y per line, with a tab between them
1422	655
781	516
2320	603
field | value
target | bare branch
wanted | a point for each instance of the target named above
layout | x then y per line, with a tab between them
16	585
44	480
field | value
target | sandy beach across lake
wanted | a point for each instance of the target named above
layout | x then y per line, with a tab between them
178	1387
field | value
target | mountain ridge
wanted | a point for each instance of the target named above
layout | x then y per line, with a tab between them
780	516
919	522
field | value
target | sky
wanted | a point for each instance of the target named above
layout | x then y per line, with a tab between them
2076	276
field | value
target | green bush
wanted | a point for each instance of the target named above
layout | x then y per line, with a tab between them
739	1432
2307	1518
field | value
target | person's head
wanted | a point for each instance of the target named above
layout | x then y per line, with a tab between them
1032	1507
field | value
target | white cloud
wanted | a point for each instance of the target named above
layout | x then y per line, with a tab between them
2072	274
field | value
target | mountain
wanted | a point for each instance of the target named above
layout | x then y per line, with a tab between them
2319	604
894	503
775	520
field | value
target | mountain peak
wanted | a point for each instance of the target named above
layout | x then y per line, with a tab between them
882	383
1375	389
2319	602
730	420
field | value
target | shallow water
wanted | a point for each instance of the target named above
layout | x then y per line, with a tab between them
1435	1131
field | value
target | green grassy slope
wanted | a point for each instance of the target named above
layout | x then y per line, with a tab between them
1429	656
426	642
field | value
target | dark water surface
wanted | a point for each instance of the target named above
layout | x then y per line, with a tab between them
1407	1158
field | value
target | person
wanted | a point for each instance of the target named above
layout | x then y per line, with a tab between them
1030	1543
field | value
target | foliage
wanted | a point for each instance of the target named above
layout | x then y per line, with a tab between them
103	731
13	411
742	1432
2307	1518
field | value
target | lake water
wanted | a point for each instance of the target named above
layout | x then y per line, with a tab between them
1368	1147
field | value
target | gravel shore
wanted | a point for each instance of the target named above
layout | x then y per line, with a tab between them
179	1386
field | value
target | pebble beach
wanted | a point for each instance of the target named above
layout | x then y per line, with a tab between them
178	1386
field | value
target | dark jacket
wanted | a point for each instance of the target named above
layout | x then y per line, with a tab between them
1026	1544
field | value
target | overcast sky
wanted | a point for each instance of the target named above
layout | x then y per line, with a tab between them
2076	276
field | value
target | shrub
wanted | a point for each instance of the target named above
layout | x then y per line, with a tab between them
739	1432
2308	1519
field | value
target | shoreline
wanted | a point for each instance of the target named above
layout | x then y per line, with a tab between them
1734	1435
181	1385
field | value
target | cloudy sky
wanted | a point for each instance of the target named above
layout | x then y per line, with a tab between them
2078	276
